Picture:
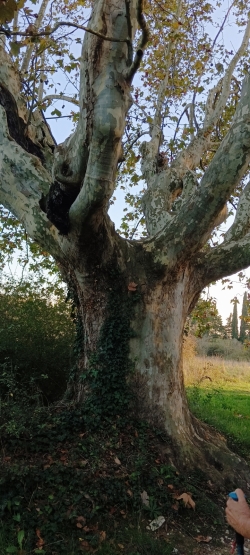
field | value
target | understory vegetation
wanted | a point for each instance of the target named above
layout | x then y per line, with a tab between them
69	486
69	489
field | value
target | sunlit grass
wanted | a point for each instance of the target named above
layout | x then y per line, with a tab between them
219	394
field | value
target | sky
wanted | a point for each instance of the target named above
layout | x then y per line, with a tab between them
61	129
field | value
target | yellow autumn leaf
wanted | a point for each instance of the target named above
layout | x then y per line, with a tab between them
198	65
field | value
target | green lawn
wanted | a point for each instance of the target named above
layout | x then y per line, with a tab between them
226	406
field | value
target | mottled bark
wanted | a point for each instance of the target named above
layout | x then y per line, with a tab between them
138	293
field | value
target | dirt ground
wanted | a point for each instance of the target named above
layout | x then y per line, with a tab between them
222	545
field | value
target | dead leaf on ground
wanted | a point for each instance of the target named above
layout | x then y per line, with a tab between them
132	286
187	500
205	539
170	486
145	498
102	536
86	546
40	542
81	519
117	461
129	492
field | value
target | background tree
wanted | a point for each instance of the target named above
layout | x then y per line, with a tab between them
235	332
206	320
132	297
36	339
228	326
244	326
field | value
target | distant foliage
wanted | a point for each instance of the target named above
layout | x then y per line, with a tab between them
244	319
36	339
224	348
235	332
205	319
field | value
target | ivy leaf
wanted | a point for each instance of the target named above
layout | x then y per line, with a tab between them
20	537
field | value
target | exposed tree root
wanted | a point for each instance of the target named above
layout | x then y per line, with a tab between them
207	451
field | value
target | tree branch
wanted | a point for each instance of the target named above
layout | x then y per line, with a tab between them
129	74
156	132
49	32
241	224
30	49
157	200
223	174
23	181
63	97
88	159
222	261
42	79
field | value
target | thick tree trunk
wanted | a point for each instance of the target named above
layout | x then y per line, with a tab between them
130	335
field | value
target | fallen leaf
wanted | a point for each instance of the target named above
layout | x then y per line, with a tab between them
129	492
175	506
117	461
81	519
170	486
132	286
156	523
79	525
205	539
145	498
187	500
86	546
40	542
102	536
160	482
120	545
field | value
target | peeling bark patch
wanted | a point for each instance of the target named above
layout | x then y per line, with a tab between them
16	125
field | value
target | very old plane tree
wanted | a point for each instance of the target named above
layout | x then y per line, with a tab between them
186	120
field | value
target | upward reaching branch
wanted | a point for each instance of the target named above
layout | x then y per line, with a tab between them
30	49
221	177
163	188
156	126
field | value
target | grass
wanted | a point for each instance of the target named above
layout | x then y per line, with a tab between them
219	394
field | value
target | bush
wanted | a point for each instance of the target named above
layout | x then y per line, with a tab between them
229	349
36	343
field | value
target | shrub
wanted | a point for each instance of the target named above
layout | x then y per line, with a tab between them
36	342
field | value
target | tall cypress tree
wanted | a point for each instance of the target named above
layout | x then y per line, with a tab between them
228	327
235	320
244	314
